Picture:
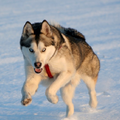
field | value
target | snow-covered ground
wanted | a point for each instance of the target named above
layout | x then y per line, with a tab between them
98	20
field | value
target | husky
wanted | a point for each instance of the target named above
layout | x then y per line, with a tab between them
57	58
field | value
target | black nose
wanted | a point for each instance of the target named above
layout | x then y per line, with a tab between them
37	64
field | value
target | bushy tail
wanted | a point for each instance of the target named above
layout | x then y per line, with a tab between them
74	33
69	31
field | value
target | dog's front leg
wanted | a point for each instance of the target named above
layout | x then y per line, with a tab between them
30	86
61	81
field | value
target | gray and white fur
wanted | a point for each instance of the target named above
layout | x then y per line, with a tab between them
69	57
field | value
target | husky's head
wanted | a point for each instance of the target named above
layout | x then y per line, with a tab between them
39	43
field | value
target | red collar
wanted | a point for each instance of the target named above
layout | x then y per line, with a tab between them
60	47
48	71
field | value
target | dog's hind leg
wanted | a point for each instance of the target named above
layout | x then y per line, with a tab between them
90	83
67	93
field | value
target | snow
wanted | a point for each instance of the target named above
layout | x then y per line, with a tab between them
99	21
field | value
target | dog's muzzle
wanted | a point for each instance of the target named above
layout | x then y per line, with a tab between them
37	68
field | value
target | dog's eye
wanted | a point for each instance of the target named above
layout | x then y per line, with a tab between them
44	49
31	50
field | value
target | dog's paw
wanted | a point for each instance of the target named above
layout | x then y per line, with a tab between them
93	103
52	98
70	110
26	100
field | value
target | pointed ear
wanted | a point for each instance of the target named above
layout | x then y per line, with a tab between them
46	28
27	29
